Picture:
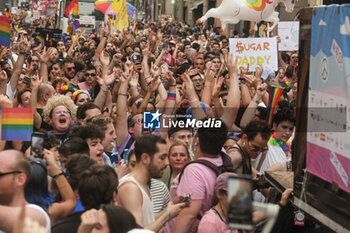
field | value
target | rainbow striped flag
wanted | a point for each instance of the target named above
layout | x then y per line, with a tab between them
15	28
5	32
108	22
72	9
275	92
135	29
39	39
17	124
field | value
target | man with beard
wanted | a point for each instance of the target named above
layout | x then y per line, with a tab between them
15	171
134	192
69	69
198	179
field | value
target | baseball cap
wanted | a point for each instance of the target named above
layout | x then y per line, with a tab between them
221	180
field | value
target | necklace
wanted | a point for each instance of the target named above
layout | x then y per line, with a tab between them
223	212
274	140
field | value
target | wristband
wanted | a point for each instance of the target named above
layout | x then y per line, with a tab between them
22	53
193	101
171	96
57	175
169	213
123	94
104	90
174	85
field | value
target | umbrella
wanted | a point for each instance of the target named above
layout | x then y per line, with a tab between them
105	7
102	6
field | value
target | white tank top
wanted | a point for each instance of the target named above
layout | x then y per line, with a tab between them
48	222
147	205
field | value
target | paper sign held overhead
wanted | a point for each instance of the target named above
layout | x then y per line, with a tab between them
255	51
289	35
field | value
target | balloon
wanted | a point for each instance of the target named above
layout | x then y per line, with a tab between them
232	11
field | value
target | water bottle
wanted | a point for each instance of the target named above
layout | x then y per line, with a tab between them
126	155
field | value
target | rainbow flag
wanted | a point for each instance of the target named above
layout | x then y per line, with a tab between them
17	124
135	29
15	28
5	32
275	92
108	22
72	9
39	39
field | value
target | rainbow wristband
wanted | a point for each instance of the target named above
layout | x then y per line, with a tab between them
171	96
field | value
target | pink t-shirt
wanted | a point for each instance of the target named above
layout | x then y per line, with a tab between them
199	180
212	223
83	86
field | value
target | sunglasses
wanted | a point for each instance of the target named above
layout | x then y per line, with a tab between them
90	74
8	173
256	148
70	68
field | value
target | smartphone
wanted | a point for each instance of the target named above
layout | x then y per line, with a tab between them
165	45
240	201
164	68
37	146
186	198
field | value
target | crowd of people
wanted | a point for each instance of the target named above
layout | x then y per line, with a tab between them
100	169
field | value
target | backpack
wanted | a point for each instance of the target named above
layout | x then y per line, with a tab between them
225	167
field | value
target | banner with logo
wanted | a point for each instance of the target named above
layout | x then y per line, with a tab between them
289	35
255	51
328	144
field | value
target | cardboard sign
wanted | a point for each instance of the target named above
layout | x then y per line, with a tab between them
255	51
289	35
87	21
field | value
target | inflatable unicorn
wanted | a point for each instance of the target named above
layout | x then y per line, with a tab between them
232	11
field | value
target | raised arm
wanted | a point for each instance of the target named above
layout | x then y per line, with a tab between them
62	209
3	82
35	83
234	94
44	58
134	81
101	45
23	49
170	101
122	121
208	85
151	89
197	111
100	99
249	113
219	108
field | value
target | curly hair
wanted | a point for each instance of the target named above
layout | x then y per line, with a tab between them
101	121
59	100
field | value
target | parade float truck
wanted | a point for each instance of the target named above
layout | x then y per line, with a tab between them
321	160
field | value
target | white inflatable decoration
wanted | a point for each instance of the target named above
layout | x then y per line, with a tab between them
232	11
